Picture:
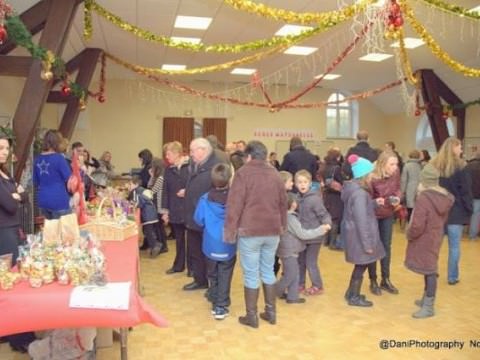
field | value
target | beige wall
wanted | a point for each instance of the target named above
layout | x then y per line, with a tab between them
131	119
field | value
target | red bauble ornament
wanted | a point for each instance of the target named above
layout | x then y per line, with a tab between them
394	8
3	35
398	21
417	112
101	98
66	90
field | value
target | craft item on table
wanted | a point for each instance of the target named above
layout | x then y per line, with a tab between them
41	264
70	232
110	225
51	232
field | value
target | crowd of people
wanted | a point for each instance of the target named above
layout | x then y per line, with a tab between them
219	201
283	212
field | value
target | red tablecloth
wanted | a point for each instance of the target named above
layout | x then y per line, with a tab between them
27	309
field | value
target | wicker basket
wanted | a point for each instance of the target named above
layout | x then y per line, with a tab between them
109	230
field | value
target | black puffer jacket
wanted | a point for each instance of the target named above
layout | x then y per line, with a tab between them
459	185
299	158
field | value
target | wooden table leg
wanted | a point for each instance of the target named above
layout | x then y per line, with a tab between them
123	343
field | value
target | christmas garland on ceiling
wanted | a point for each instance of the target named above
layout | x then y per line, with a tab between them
91	5
453	9
300	18
201	70
435	47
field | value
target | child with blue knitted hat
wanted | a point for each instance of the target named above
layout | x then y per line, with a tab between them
359	227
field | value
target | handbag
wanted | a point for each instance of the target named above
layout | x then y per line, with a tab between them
333	184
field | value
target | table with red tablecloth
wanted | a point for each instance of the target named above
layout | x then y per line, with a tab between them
29	309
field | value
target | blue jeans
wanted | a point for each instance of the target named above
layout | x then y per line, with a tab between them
474	220
454	233
257	256
54	214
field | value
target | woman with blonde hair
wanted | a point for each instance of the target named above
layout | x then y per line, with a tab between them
385	187
457	181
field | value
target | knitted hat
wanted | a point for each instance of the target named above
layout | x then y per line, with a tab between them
360	166
429	176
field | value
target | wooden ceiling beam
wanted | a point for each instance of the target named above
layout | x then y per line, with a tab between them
87	65
35	91
434	107
34	19
15	65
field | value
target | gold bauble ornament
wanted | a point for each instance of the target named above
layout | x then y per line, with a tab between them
46	75
81	105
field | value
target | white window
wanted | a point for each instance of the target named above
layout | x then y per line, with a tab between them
424	137
342	117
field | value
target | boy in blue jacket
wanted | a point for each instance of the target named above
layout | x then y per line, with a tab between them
221	257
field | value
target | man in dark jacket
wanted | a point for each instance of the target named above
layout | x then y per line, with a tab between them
363	149
199	182
473	167
299	158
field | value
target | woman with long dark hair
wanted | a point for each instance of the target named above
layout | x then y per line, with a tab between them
156	184
11	195
145	156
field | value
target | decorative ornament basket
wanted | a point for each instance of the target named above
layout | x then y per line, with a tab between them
110	229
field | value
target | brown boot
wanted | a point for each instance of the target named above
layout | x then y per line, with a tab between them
251	298
270	314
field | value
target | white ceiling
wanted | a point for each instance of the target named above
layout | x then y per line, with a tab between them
460	37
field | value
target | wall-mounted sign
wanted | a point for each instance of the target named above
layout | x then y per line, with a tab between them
283	133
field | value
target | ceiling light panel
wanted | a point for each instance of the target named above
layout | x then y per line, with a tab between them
286	30
300	50
375	57
192	22
243	71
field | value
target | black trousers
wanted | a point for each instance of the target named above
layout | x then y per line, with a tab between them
161	235
199	265
181	249
150	235
220	279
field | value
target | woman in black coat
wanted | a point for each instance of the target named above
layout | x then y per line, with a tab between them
332	177
11	196
145	156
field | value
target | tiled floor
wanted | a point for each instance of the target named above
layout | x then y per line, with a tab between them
322	328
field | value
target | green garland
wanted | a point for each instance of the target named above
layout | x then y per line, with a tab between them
454	9
464	105
19	34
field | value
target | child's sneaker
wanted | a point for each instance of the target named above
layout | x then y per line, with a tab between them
301	289
213	309
314	291
221	312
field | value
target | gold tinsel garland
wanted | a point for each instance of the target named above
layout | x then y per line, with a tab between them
328	21
202	70
405	61
452	8
300	18
435	47
184	45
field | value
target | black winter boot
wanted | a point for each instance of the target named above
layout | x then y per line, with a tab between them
269	294
356	299
251	298
374	288
348	293
386	285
